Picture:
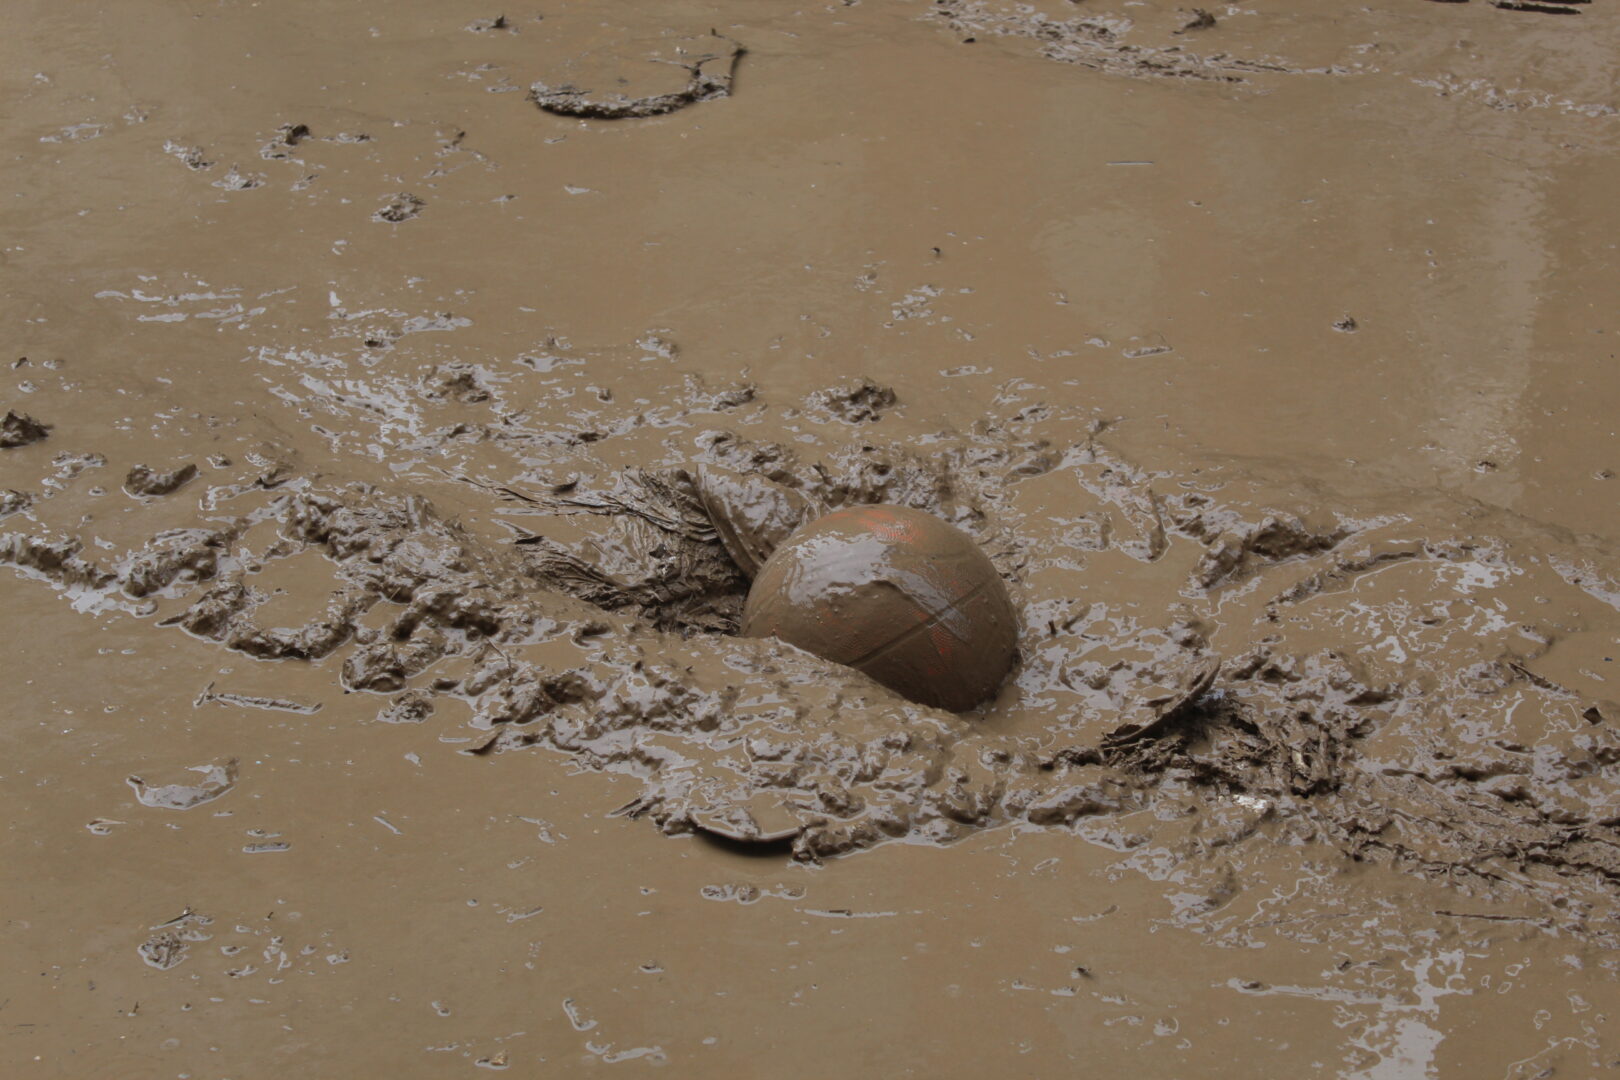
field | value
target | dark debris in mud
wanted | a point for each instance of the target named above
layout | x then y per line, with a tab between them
287	137
857	401
1199	20
144	480
13	502
710	74
1567	7
483	26
1096	42
399	208
20	429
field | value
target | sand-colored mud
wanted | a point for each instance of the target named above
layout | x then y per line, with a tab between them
399	402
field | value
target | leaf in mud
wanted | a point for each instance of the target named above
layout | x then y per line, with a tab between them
1172	708
751	514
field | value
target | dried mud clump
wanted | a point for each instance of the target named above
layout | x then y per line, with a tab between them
192	157
411	707
178	556
386	666
20	429
1200	20
1300	736
399	208
55	560
225	614
456	381
1237	553
14	502
709	76
287	137
146	481
855	402
700	396
172	941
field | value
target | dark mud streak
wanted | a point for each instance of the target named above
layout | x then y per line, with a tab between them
1542	9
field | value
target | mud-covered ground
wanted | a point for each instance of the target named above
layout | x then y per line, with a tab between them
398	400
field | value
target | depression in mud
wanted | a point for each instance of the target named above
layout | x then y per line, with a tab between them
402	404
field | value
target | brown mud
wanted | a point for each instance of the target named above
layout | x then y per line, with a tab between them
386	460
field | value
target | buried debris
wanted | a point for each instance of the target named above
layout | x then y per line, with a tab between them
710	71
20	429
143	480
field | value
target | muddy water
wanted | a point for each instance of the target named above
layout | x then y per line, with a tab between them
390	392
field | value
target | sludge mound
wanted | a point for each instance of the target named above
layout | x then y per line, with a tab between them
1200	669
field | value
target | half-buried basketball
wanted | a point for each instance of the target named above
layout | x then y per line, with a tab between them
896	593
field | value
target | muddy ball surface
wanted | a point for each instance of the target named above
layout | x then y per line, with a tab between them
896	593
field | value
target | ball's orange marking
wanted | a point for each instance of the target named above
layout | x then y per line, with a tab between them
885	524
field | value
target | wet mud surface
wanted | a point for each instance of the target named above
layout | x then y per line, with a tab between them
399	410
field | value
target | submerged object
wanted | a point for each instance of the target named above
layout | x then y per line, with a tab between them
893	592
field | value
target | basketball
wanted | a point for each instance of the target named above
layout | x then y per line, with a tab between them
893	592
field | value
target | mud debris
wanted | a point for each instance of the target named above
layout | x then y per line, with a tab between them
286	139
216	781
1199	20
168	947
146	481
855	402
1098	43
411	707
12	502
399	208
710	65
20	429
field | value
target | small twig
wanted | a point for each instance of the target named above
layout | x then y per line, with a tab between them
253	702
